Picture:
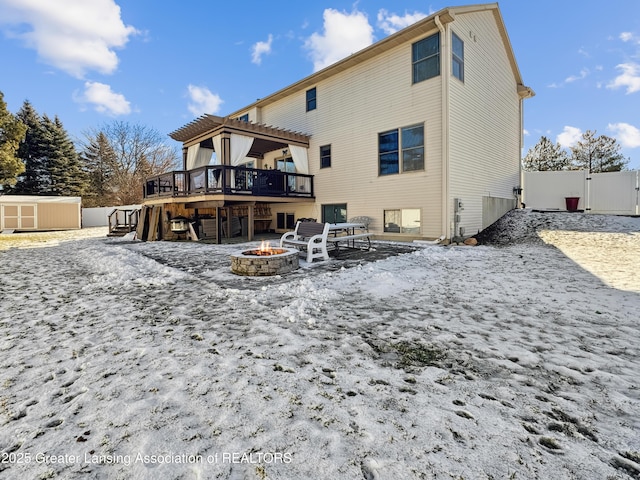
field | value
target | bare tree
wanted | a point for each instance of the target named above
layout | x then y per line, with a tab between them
138	152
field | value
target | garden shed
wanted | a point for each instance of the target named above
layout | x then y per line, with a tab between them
33	212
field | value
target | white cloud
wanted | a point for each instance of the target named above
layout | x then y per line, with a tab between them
203	101
344	34
103	99
629	78
261	48
583	74
569	136
75	36
391	22
627	135
629	37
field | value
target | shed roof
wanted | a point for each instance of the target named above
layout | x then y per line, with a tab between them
38	199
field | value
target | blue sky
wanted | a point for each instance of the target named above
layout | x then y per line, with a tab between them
162	64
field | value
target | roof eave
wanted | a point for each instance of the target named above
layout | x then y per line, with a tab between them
424	26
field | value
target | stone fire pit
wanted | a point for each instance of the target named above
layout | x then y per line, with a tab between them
265	261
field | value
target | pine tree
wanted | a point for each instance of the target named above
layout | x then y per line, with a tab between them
100	162
65	175
546	156
32	181
598	154
12	132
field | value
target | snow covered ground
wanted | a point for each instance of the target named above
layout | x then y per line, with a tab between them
519	360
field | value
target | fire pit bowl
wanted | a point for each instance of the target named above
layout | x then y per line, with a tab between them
265	261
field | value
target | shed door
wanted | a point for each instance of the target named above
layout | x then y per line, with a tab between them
19	217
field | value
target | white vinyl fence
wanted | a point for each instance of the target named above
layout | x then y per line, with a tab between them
613	192
99	216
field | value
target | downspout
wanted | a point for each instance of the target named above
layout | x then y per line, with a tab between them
518	195
524	92
446	208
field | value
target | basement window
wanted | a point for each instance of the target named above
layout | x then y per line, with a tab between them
334	213
405	220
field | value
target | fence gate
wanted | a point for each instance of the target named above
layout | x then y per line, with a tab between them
614	192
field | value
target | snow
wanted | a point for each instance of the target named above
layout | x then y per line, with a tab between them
147	360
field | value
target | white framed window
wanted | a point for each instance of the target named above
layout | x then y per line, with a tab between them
401	150
457	57
425	58
402	220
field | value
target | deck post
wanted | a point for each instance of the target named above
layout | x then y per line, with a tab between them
218	225
250	215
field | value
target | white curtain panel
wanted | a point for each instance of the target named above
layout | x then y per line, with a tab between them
204	157
198	157
300	158
240	146
217	147
192	156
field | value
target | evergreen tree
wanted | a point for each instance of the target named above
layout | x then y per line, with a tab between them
100	163
12	132
546	156
64	173
598	154
32	182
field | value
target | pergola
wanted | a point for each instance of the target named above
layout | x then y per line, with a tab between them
234	140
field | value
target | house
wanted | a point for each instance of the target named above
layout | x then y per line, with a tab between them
33	213
421	132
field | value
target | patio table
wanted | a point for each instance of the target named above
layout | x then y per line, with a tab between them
346	232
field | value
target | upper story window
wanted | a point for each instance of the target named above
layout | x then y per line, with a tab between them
325	156
457	57
425	58
244	118
401	148
311	99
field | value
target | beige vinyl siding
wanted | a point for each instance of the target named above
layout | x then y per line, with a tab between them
61	216
353	107
40	213
485	164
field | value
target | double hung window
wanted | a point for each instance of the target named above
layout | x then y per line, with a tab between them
425	58
401	150
311	99
457	57
325	156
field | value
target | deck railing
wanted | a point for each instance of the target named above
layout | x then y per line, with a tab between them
225	179
123	219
